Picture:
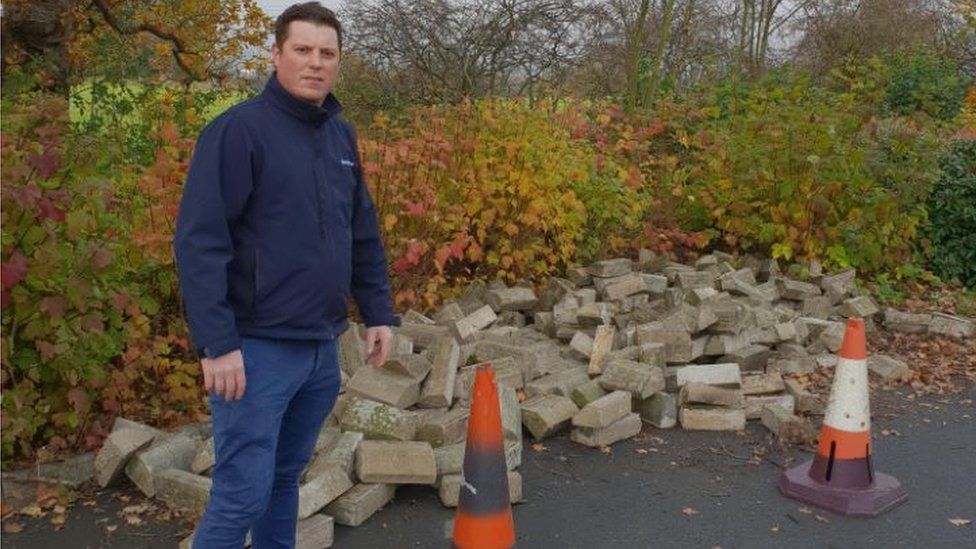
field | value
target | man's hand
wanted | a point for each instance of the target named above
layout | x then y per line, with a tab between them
379	339
224	375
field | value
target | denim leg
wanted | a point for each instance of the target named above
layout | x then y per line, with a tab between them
246	435
300	428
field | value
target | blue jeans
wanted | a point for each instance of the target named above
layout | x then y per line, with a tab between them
264	441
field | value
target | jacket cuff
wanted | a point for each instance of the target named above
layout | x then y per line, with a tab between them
221	346
387	319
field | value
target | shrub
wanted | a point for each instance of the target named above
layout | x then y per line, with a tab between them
952	215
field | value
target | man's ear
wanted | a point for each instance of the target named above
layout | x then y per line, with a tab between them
275	53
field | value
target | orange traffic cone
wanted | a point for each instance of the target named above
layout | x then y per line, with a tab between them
841	478
484	514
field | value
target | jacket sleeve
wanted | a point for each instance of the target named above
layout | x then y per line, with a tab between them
370	279
217	188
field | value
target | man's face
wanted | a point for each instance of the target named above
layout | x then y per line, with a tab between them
308	61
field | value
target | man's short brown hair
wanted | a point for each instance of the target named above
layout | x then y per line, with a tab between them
311	12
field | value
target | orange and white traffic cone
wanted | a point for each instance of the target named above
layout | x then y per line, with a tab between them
841	477
484	513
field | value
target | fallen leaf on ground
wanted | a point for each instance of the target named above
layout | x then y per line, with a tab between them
774	529
539	447
823	519
57	520
641	451
689	511
960	522
33	510
12	527
133	520
112	527
805	510
606	449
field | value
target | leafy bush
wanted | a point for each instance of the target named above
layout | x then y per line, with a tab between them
924	81
952	215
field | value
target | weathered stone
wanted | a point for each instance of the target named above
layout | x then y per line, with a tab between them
911	323
888	368
594	314
628	285
699	393
840	285
376	420
423	335
448	314
689	280
953	326
172	452
702	418
414	317
750	358
578	276
450	458
511	412
587	393
650	262
205	458
660	410
328	436
833	336
437	390
525	358
754	404
402	345
678	346
786	426
182	489
396	462
699	296
478	320
816	307
315	532
805	402
626	427
516	298
796	290
449	428
759	383
861	306
557	383
610	268
385	386
472	298
543	321
544	415
322	489
733	316
639	379
351	350
724	375
507	373
415	367
722	344
341	454
586	296
359	503
513	454
785	331
449	489
116	450
604	411
514	319
582	344
655	284
600	349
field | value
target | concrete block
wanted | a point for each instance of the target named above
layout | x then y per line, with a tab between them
182	489
639	379
379	421
604	411
171	452
861	306
953	326
319	490
699	393
626	427
833	336
384	386
910	323
396	462
315	532
609	268
511	412
796	290
449	489
816	307
516	298
587	393
754	404
805	402
423	335
758	383
116	451
724	374
594	314
467	326
601	346
415	317
751	358
206	457
449	428
415	367
888	368
351	350
359	503
450	458
558	383
703	418
545	414
689	280
786	426
582	345
507	373
448	314
341	454
660	410
437	390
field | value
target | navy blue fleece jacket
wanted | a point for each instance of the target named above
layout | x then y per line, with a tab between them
276	227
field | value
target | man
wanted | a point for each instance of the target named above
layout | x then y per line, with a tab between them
276	227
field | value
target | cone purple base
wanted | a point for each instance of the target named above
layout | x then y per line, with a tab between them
881	495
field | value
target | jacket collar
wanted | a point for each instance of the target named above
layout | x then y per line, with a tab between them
294	106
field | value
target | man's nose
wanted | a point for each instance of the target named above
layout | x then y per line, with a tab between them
316	61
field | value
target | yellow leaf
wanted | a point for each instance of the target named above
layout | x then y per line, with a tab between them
389	221
689	511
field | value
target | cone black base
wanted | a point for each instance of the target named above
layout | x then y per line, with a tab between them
881	495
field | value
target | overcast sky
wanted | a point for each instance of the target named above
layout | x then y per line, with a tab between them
274	7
